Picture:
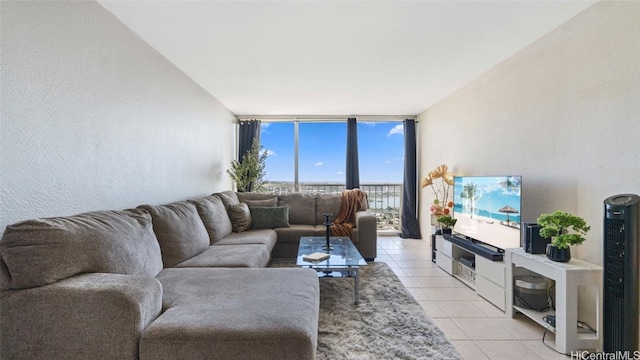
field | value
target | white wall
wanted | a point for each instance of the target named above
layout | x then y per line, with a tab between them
564	113
93	118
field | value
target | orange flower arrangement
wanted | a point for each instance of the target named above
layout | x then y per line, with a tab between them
441	205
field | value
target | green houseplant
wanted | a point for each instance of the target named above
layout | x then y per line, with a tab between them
248	173
447	223
564	229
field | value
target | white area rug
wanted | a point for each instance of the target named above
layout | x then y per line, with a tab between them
387	323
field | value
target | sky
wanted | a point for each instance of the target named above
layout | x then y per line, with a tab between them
323	151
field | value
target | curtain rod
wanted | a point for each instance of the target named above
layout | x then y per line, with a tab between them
277	118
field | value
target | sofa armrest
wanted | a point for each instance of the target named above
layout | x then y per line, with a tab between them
367	234
88	316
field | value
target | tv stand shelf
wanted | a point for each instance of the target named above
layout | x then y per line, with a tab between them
487	278
568	278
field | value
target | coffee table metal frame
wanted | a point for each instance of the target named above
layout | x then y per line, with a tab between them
345	257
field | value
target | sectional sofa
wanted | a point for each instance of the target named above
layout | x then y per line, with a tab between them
306	218
163	282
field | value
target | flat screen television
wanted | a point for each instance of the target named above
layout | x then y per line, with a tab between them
488	209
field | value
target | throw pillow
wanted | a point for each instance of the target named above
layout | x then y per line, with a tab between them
214	216
228	198
269	217
263	203
240	217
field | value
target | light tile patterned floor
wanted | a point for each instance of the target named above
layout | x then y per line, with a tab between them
476	328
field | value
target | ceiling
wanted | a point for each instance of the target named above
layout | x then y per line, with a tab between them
338	57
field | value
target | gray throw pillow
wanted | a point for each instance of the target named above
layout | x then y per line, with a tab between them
263	203
240	217
228	198
270	217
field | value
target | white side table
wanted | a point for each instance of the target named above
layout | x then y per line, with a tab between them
568	277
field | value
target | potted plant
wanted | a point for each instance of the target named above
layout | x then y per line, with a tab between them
248	173
564	229
447	223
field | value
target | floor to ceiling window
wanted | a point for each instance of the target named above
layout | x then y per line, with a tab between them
311	157
381	158
278	139
322	148
381	151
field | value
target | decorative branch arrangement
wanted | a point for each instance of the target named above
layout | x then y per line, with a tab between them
439	180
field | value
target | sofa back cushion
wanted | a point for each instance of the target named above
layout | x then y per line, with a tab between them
42	251
330	203
265	199
214	217
302	207
179	230
228	198
271	202
327	204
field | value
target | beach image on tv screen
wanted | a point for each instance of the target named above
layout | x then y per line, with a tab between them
488	209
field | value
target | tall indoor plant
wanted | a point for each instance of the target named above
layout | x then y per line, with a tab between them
564	229
249	172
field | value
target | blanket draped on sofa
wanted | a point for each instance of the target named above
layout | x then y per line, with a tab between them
352	201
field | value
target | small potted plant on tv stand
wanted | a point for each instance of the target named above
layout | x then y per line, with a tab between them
556	226
447	222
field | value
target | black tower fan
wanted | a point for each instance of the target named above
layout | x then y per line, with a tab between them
621	268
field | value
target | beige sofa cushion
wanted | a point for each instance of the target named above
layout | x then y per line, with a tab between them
179	230
274	315
214	217
242	255
256	196
271	202
228	198
302	207
42	251
266	237
327	204
293	233
240	217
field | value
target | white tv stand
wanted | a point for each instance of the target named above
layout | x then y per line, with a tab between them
568	277
487	278
494	281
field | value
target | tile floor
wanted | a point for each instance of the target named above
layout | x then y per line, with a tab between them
476	328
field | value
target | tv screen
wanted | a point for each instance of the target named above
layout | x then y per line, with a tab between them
488	209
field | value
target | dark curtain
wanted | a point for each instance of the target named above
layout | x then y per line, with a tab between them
409	220
353	172
249	129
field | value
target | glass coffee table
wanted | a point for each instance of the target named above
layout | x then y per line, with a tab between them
344	259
